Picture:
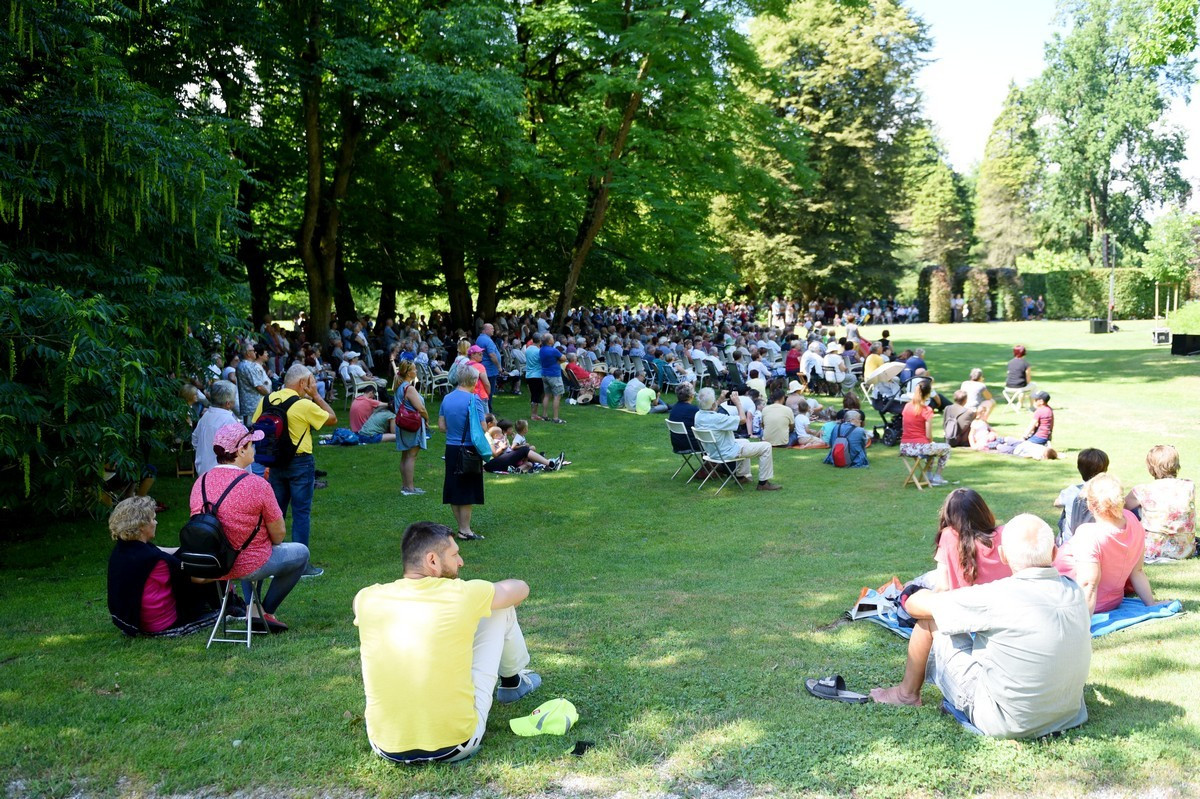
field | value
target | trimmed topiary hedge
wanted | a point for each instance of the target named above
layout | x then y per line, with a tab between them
939	296
1008	294
1083	294
976	291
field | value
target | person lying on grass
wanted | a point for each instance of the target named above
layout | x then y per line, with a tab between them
433	647
1105	555
1012	655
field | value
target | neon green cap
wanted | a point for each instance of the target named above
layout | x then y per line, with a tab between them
551	718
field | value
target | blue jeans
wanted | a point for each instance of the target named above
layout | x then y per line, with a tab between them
284	567
293	484
1038	440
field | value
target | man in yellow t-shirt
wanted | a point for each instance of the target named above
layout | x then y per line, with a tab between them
293	483
433	647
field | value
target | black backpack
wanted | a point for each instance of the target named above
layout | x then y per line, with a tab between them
204	551
276	447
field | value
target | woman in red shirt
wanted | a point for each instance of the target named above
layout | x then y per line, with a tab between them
967	544
916	438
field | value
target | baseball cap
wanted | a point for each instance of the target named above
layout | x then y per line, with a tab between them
350	354
555	717
1041	395
232	436
474	349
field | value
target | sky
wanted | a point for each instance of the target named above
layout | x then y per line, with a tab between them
979	46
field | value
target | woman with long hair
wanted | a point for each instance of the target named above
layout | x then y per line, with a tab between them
967	543
916	439
409	444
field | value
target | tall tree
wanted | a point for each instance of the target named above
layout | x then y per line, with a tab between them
1111	155
936	215
1004	222
846	78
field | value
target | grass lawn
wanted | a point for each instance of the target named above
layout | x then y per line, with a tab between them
682	625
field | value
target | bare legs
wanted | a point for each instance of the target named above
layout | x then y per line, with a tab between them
462	515
408	465
908	692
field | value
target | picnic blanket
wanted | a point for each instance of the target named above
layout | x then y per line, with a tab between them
1130	612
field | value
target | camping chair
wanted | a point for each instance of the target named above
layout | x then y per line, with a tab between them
708	440
245	633
917	466
1015	397
679	428
570	384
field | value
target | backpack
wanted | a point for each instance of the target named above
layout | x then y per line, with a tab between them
204	551
276	447
839	453
344	436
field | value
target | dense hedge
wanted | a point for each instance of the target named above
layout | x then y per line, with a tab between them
1083	294
939	296
976	291
1008	294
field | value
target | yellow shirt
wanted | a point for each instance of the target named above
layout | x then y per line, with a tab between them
301	416
873	362
417	638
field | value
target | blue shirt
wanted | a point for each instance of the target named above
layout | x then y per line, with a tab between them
549	357
856	443
489	349
533	361
456	409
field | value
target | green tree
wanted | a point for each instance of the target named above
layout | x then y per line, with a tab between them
936	214
115	242
1171	32
1110	154
845	77
1004	222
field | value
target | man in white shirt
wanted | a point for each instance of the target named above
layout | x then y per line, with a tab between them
222	395
728	447
835	371
811	363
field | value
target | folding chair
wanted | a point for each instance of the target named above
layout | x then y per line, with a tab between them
708	440
679	428
833	386
916	471
668	380
245	633
613	362
1015	397
700	366
639	366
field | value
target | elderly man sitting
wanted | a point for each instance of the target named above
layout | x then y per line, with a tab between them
1012	654
730	448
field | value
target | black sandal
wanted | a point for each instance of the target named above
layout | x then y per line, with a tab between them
468	536
834	687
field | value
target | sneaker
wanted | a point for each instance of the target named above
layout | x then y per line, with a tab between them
938	481
410	492
769	486
320	473
530	682
312	571
320	484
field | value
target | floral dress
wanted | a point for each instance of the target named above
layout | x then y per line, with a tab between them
1169	516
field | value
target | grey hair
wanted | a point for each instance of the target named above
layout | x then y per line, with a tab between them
467	376
295	373
919	352
684	392
853	416
706	399
1028	542
222	393
976	373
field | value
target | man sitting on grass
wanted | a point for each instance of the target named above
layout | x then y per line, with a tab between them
432	648
1022	674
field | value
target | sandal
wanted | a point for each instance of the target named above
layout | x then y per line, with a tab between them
834	687
558	421
468	536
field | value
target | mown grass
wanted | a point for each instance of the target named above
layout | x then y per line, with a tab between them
682	625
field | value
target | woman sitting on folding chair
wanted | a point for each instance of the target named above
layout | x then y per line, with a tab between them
916	438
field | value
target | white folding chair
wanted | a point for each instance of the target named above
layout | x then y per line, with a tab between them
1015	397
679	428
247	631
708	440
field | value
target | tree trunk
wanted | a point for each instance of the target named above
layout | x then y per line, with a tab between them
598	201
489	266
343	300
450	248
387	301
320	284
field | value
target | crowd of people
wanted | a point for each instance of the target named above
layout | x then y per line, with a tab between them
1001	621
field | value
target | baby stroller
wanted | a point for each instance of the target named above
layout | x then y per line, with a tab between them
884	388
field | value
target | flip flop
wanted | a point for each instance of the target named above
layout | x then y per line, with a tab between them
834	687
468	537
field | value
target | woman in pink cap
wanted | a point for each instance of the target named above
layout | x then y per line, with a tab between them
249	512
483	388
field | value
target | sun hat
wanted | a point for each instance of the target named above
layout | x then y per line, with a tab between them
600	368
474	349
555	717
232	436
794	387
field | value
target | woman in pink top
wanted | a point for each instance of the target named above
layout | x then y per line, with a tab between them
967	546
250	518
1106	554
916	438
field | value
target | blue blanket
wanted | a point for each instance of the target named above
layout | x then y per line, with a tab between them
1130	612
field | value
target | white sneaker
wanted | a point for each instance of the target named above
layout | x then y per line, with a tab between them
938	481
